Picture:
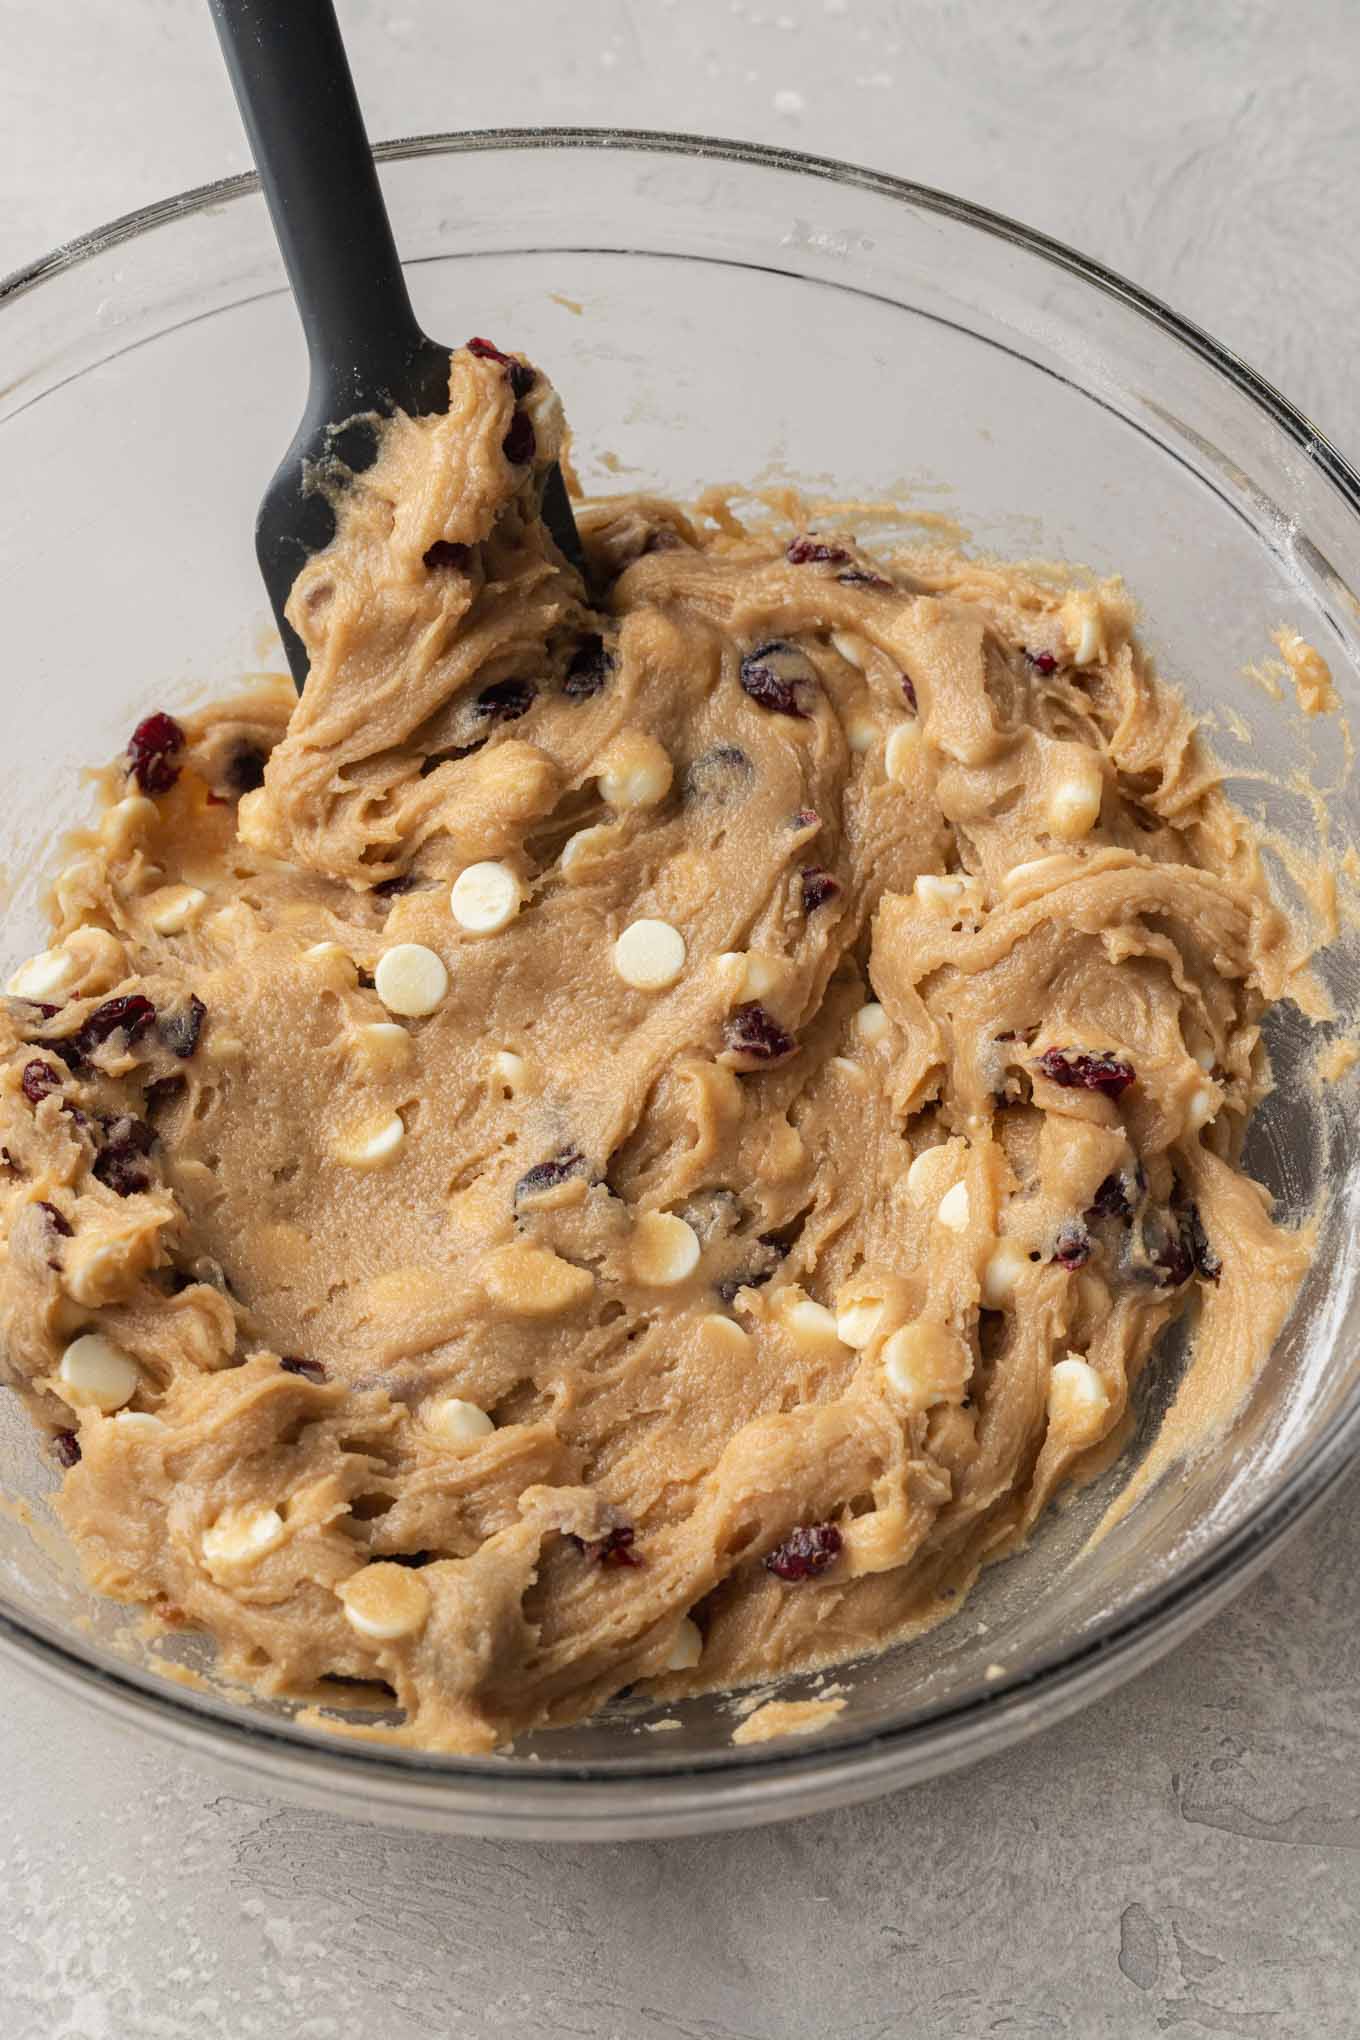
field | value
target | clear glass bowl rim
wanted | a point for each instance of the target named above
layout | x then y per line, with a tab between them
723	1789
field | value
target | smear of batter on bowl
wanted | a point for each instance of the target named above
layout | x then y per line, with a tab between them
631	1137
786	1717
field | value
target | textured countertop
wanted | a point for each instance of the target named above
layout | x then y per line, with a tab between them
1183	1856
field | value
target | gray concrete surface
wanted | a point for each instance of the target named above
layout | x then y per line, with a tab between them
1185	1856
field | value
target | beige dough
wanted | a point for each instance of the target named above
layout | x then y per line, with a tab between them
681	1146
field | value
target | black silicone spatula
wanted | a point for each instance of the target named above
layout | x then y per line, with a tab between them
293	85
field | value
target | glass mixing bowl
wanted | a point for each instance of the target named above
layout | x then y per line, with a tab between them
711	312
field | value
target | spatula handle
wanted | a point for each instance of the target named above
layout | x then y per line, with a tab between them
293	85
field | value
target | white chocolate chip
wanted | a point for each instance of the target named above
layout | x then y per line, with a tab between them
96	1374
586	847
127	823
921	1176
635	771
1006	1264
383	1045
457	1423
810	1324
749	974
934	891
101	1267
50	973
851	1071
1077	1397
1074	801
529	1281
139	1424
858	1319
726	1335
240	1536
1082	626
172	909
1206	1058
386	1602
872	1024
1037	868
954	1211
664	1249
851	647
861	733
485	898
330	961
411	979
374	1145
1201	1107
926	1364
763	975
901	751
76	890
509	1069
649	955
687	1646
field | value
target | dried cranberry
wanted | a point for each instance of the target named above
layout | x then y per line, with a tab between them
558	1168
805	1552
61	1226
1075	1069
727	1286
310	1370
818	887
1196	1243
120	1164
180	1031
38	1080
807	818
588	669
808	552
66	1445
519	443
909	694
1175	1258
446	554
126	1131
390	888
1042	662
614	1548
487	350
1073	1247
160	1091
130	1014
718	774
780	678
1111	1200
39	1006
522	378
505	701
859	578
245	769
154	742
749	1030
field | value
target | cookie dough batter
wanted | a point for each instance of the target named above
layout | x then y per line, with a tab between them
629	1137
